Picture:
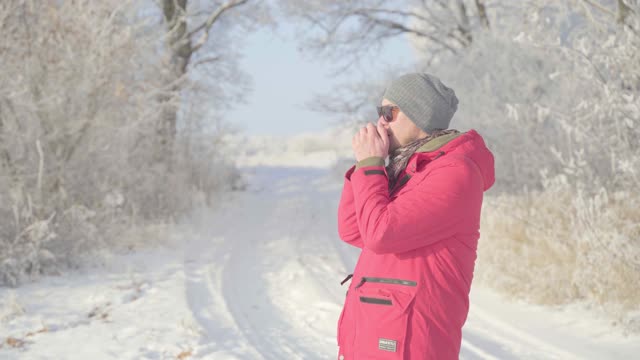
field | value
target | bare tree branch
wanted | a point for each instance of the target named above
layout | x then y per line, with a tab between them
623	12
346	31
404	29
207	60
206	26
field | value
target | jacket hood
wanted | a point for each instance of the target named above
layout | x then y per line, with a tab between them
470	144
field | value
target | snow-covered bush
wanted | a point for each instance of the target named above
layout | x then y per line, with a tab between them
558	246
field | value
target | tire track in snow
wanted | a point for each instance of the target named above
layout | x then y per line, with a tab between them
470	351
263	270
223	338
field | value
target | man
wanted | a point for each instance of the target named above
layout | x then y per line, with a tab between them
417	222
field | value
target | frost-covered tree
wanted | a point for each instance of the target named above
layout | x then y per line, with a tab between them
83	86
201	34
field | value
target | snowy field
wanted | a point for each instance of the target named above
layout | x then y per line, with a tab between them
259	278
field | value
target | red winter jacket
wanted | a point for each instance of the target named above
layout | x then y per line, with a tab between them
409	295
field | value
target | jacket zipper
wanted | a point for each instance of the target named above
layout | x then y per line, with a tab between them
386	281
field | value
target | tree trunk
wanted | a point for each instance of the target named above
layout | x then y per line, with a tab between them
180	51
482	13
623	11
6	163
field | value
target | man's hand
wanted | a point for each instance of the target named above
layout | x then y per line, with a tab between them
371	141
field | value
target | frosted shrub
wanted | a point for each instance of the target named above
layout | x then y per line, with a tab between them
27	253
528	246
557	246
608	255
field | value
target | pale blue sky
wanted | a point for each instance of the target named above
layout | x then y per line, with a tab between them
284	79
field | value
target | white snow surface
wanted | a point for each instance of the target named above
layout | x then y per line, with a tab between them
259	278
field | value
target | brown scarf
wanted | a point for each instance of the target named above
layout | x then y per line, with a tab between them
400	157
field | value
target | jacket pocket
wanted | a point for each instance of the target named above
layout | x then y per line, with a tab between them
382	313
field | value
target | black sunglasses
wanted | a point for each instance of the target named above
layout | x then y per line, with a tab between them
386	111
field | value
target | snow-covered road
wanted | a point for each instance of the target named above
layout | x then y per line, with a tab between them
259	278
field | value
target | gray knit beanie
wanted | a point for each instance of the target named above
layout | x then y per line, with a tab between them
424	99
